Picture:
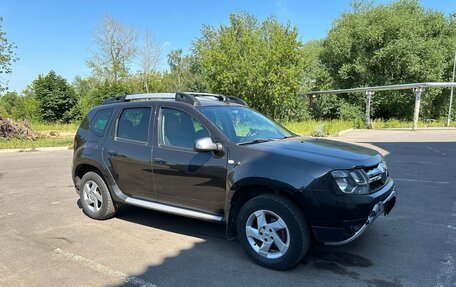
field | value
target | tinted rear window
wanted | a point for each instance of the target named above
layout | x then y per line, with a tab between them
100	121
134	124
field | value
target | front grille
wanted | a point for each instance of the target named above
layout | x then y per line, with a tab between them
378	175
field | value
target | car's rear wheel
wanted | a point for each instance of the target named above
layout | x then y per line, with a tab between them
95	197
273	231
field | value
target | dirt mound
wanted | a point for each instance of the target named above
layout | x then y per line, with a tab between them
12	129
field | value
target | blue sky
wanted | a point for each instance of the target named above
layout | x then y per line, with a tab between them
57	34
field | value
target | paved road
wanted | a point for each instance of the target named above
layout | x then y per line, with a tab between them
47	241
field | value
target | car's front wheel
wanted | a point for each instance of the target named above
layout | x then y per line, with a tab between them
273	231
95	198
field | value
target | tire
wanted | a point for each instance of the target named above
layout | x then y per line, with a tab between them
285	236
95	197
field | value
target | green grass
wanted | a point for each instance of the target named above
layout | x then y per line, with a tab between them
320	128
58	127
41	142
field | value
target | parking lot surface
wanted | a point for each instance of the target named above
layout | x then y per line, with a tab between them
46	240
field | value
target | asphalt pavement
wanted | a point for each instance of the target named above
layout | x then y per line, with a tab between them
46	240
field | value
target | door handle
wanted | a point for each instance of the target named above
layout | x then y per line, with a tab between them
160	161
112	153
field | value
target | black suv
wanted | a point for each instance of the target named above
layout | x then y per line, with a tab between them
210	157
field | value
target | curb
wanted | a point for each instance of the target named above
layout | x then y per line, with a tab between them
344	132
35	149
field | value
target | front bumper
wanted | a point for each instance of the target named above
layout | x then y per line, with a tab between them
382	207
347	230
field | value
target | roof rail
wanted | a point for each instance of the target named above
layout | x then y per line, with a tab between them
220	97
112	100
151	96
236	100
186	97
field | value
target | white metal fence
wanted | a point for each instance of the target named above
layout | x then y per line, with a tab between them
417	88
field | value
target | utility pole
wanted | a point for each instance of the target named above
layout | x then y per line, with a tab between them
367	120
451	94
418	91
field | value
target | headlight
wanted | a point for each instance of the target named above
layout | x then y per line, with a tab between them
352	182
383	167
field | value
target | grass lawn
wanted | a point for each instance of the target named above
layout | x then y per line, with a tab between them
41	142
319	128
58	127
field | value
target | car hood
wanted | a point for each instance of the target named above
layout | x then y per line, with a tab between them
331	153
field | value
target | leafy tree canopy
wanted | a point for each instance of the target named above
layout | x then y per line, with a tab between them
261	61
7	55
56	98
395	43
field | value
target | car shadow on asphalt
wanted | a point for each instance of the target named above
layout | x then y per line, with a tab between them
368	261
216	261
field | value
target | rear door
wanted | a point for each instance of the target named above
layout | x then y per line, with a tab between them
182	176
128	151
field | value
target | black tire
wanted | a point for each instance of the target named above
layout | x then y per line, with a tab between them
106	208
298	230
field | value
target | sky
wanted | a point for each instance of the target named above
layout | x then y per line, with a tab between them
57	35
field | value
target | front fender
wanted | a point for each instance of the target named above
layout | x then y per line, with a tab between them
283	173
288	176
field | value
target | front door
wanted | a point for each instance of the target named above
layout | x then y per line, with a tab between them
128	153
182	176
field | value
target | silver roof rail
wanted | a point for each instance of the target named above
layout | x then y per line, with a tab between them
150	96
187	97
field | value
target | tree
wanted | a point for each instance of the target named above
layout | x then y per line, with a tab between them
91	91
56	98
8	101
19	107
114	51
7	55
261	61
149	56
391	44
316	77
185	72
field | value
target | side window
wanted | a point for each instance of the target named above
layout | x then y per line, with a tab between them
100	121
179	129
134	124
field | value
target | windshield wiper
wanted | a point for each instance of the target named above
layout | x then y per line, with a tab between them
258	140
287	137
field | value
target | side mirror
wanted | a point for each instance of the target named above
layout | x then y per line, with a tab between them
206	144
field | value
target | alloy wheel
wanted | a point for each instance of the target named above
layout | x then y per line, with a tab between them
267	234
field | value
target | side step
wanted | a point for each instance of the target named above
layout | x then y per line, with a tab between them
164	207
174	210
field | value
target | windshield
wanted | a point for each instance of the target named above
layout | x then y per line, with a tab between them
243	125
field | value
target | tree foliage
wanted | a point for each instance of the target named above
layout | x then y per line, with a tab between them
56	98
185	72
7	55
261	61
19	107
395	43
115	48
149	57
